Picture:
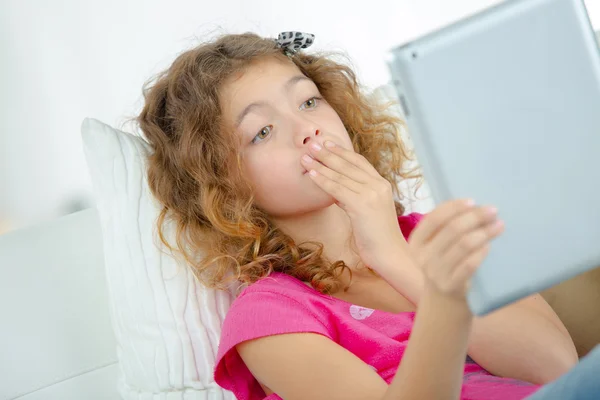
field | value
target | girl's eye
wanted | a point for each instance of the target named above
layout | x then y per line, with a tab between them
262	134
310	103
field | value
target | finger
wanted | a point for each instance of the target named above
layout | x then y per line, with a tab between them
437	218
472	242
338	191
461	276
352	157
444	264
454	231
311	164
334	160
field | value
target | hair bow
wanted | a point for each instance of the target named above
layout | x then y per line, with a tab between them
291	42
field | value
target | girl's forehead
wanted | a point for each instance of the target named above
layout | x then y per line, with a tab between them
254	81
264	71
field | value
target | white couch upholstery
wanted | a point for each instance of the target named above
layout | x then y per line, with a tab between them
56	339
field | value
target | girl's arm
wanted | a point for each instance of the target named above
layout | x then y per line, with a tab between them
310	366
433	364
525	340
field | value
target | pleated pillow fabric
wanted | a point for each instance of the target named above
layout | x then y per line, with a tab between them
166	324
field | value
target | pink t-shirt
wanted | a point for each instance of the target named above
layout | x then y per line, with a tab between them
282	304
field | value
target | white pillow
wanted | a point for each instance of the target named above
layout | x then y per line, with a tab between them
166	324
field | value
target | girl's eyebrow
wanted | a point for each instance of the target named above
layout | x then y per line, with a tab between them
247	110
257	104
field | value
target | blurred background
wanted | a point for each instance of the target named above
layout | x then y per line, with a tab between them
66	60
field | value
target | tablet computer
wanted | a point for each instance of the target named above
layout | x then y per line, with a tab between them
504	107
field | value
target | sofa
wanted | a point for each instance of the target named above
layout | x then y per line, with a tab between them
57	339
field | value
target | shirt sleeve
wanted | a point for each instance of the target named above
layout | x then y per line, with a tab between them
409	222
254	315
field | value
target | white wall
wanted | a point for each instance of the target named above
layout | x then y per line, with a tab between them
65	60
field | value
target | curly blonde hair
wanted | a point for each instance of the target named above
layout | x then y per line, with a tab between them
221	233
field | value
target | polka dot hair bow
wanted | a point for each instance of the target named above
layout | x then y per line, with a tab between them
291	42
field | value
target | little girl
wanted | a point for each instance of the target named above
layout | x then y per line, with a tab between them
281	173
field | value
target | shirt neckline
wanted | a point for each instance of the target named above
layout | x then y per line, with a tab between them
335	299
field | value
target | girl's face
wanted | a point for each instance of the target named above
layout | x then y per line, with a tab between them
278	112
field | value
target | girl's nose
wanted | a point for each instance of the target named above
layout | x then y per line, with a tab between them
314	136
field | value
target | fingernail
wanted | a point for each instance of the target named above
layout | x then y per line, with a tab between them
469	202
316	146
492	210
329	144
307	158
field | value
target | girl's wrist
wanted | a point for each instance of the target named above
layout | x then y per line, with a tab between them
400	270
456	306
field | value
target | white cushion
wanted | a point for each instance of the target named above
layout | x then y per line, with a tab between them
166	324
